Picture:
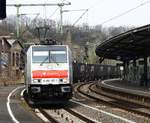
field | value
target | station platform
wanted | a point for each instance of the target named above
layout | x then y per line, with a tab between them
127	86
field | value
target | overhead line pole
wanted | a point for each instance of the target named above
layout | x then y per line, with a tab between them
25	5
61	19
17	22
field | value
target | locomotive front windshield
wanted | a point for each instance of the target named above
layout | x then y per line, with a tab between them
49	56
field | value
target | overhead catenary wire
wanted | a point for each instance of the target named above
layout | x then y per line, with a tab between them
80	17
27	26
75	10
25	5
55	10
115	17
126	12
86	10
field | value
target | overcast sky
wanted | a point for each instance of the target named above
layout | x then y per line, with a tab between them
99	11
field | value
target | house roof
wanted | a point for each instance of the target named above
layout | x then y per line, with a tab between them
13	41
130	45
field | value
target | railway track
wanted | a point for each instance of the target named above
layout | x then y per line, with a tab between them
81	112
65	115
59	113
76	112
123	103
95	94
134	96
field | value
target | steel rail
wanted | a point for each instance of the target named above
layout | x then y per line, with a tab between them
50	118
122	103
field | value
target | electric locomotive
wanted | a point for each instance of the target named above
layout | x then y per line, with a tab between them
48	74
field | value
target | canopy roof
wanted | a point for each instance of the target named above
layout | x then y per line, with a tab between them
130	45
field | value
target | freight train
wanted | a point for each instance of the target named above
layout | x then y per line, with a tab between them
50	73
91	72
48	76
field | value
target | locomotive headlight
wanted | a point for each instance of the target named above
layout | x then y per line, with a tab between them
66	89
36	80
35	89
65	80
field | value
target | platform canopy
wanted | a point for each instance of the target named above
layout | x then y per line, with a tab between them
130	45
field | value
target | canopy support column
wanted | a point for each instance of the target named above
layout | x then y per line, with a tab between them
134	69
145	71
125	65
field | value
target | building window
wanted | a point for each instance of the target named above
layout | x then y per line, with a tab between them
13	60
17	59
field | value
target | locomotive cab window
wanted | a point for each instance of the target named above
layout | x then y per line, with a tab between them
40	56
49	57
58	56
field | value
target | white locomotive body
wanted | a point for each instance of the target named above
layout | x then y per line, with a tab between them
49	73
